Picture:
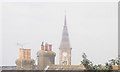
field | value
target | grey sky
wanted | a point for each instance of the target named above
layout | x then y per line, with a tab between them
92	29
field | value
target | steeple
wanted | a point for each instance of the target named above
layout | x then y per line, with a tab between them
65	49
65	37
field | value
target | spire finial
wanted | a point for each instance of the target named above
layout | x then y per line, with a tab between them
65	18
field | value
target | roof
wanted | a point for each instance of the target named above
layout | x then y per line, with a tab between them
8	67
65	67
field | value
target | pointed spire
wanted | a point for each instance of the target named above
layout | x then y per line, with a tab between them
65	37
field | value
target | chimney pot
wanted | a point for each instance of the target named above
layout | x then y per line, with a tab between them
42	46
50	47
46	47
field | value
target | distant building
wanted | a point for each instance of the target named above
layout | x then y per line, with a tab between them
116	67
46	57
24	62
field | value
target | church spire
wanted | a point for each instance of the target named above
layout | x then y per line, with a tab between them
65	49
65	37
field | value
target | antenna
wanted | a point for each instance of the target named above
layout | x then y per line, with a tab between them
21	44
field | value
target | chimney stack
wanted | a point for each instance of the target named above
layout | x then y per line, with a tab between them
24	53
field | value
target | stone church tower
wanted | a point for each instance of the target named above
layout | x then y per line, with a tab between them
65	48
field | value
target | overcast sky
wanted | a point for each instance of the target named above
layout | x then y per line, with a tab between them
92	27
